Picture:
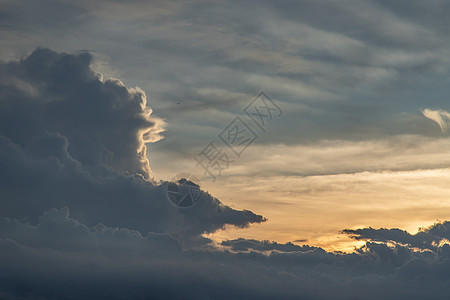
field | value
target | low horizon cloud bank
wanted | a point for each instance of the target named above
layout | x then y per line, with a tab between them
82	218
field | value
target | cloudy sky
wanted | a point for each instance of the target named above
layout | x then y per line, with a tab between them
318	132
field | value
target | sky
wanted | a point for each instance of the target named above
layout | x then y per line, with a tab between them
312	136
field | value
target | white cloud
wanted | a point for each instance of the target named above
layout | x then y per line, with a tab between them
441	117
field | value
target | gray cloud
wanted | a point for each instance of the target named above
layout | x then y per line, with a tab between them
70	139
254	245
57	231
62	94
427	238
61	257
90	271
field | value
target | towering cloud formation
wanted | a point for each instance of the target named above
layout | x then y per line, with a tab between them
68	138
104	122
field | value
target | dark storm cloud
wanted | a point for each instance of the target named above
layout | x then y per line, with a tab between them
68	138
105	123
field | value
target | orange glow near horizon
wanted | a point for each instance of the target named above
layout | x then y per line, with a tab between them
317	208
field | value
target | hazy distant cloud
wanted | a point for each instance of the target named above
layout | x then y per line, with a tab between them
441	117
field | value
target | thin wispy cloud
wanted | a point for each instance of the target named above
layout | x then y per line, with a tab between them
441	117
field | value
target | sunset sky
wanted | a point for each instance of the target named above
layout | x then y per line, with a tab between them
102	103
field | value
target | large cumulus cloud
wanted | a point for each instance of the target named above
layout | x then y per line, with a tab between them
82	217
105	123
68	138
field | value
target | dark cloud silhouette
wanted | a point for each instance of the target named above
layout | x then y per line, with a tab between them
427	238
255	245
68	138
48	269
